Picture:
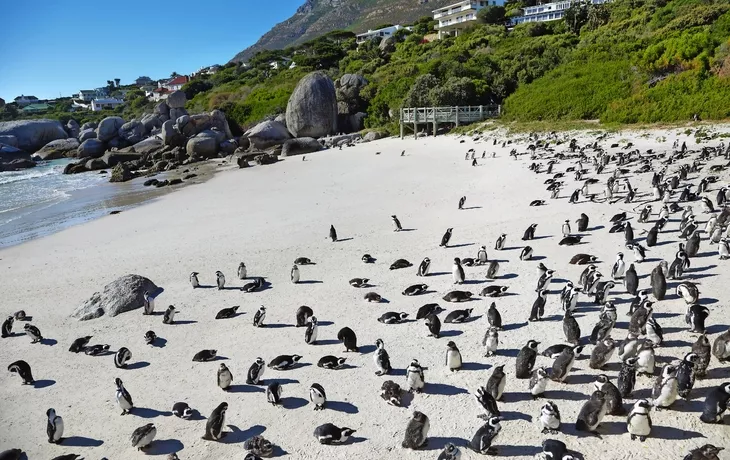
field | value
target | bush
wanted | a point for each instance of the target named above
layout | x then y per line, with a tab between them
491	14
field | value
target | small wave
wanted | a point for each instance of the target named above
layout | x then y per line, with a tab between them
17	176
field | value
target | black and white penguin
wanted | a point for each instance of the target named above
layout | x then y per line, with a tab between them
637	324
496	383
397	224
666	388
96	350
242	272
462	201
706	452
220	280
654	332
256	372
627	377
194	280
618	267
348	338
216	422
273	393
716	404
310	334
331	434
54	427
294	274
538	306
424	267
566	228
415	289
433	323
22	368
562	365
149	303
550	419
427	309
631	280
205	355
602	353
491	341
17	454
7	328
457	296
483	439
79	344
652	236
571	329
446	238
224	377
538	382
492	270
527	253
721	347
143	436
33	332
640	298
582	223
482	256
544	281
646	359
124	399
253	286
450	452
458	316
317	396
458	271
122	357
494	318
688	291
258	318
169	316
333	233
638	424
373	297
526	359
574	196
541	269
416	436
723	248
415	380
686	375
226	313
453	357
487	401
702	349
499	244
393	317
592	413
658	283
284	362
695	317
303	314
529	233
612	396
359	282
182	410
571	240
382	359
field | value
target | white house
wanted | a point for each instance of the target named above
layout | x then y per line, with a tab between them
22	101
454	18
174	84
549	11
380	34
209	70
102	104
87	95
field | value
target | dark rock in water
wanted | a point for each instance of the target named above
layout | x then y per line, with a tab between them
300	146
58	149
103	171
114	213
121	295
162	183
121	173
175	181
95	164
75	168
15	165
190	176
149	182
114	158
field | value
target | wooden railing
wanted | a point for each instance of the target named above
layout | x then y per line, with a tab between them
456	115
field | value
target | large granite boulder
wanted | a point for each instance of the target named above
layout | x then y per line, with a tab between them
73	128
121	295
348	89
219	122
267	134
75	168
95	164
109	128
334	141
111	159
168	132
132	132
93	148
33	134
89	125
202	146
117	143
351	123
9	140
162	110
59	148
281	118
87	134
312	108
176	113
150	122
176	100
229	146
121	173
13	159
148	145
300	146
18	164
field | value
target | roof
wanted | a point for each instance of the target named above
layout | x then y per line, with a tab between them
26	97
36	107
181	80
107	101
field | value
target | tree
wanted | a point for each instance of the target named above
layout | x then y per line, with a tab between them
2	102
195	87
117	81
419	94
174	74
575	17
598	15
492	14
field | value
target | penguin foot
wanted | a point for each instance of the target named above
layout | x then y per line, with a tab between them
633	438
545	431
554	431
642	438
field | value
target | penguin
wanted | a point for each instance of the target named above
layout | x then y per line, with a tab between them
658	283
654	332
424	267
124	399
149	303
169	316
310	334
428	309
330	434
526	359
583	259
574	196
628	233
396	222
79	344
458	316
493	290
496	383
333	233
592	413
492	270
554	351
434	325
629	347
706	452
666	388
457	296
645	213
716	404
462	201
696	316
348	338
216	422
494	318
482	440
182	410
482	255
538	307
54	427
415	380
652	236
541	269
618	267
631	280
242	271
641	297
582	223
194	280
225	377
450	452
258	318
638	424
21	316
686	375
538	382
317	396
499	245
284	362
446	238
566	228
256	372
688	291
143	436
612	396
702	349
602	353
529	233
416	436
373	297
33	332
627	377
382	359
637	325
569	297
122	357
458	271
359	282
639	251
205	355
646	359
257	283
294	275
721	347
453	357
220	280
571	329
17	454
586	277
491	341
562	365
544	281
258	446
602	292
487	401
22	368
550	418
226	313
527	253
392	393
723	249
273	393
571	240
620	217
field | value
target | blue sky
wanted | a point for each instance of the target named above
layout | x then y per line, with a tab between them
54	46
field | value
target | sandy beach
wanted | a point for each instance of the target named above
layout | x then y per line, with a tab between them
267	217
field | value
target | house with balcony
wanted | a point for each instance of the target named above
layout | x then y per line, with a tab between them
87	95
379	34
549	11
455	18
22	100
105	104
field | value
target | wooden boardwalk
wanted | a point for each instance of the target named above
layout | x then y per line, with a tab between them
412	117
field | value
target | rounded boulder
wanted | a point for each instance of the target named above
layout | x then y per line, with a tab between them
312	108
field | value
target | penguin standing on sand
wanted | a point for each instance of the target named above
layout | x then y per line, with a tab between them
33	332
487	401
716	404
462	200
348	338
446	238
318	396
415	380
666	388
495	319
397	223
491	341
592	413
482	256
194	280
433	323
295	274
220	280
550	418
416	436
7	328
382	359
614	401
424	267
529	233
483	439
526	359
23	370
225	377
333	233
273	393
453	357
686	375
54	427
618	267
627	377
256	372
526	253
169	316
638	424
563	364
646	359
538	307
566	228
721	346
702	349
216	422
458	271
499	244
310	334
450	452
631	280
538	382
242	271
496	383
258	318
582	223
124	399
695	317
149	303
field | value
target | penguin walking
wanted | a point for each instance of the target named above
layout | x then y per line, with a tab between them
415	380
216	422
310	334
382	359
294	274
397	223
627	377
453	357
258	318
22	368
124	399
220	280
446	238
169	316
550	418
317	396
416	436
256	372
224	377
592	413
499	245
242	271
638	423
458	271
526	359
333	233
54	427
666	388
194	280
149	303
716	404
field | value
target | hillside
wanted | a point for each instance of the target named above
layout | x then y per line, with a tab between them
317	17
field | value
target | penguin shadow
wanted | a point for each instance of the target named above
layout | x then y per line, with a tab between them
580	379
452	333
475	367
514	248
137	365
354	440
683	405
443	389
538	258
81	441
197	416
245	389
49	342
293	402
707	300
348	408
513	326
672	330
311	282
146	412
517	397
661	315
159	343
644	393
471	207
439	442
324	323
665	242
668	432
439	273
509	352
327	342
462	245
565	395
541	237
517	451
693	276
471	319
183	322
340	240
230	288
206	286
714	329
508	276
676	344
236	435
365	349
277	325
512	415
713	374
408	230
700	269
594	228
706	254
474	281
164	447
43	383
611	367
652	260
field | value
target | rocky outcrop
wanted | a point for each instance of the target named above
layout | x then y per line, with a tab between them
372	136
176	113
9	140
93	148
281	118
59	148
300	146
351	123
229	146
162	110
75	168
219	122
312	108
95	164
150	122
15	165
89	125
267	134
148	145
334	141
73	128
111	159
121	295
265	159
176	100
202	146
109	128
132	132
32	135
87	134
121	173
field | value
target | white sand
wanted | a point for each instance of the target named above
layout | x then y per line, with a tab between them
267	217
